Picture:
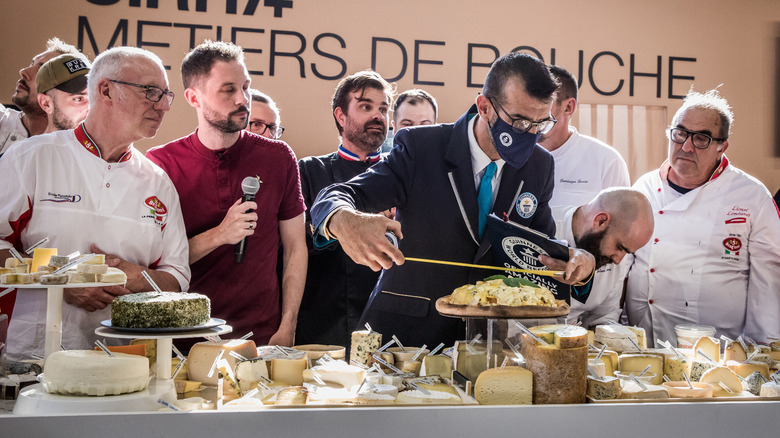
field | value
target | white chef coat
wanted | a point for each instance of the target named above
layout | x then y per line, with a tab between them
584	166
12	129
714	258
54	187
603	303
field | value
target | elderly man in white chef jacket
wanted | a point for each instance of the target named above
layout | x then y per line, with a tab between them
714	258
89	190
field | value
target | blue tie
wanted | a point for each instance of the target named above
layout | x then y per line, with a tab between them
485	196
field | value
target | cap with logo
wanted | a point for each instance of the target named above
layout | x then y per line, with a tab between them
66	72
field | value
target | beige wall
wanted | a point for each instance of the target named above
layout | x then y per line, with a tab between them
733	46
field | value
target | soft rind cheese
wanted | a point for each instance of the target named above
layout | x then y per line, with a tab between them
509	386
157	310
734	351
722	374
616	337
88	372
770	389
606	388
339	372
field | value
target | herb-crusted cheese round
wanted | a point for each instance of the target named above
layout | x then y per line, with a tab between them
160	310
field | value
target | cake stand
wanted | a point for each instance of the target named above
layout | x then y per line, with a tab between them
54	294
34	400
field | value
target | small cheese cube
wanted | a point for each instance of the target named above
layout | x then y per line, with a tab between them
289	371
80	277
9	278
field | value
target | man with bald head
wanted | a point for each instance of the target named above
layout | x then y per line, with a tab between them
617	222
714	258
90	190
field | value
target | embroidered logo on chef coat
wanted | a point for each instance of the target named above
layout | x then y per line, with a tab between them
59	197
523	252
526	205
732	245
157	210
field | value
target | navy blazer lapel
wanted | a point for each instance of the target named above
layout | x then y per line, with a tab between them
461	174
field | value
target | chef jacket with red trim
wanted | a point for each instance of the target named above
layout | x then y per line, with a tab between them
714	258
58	187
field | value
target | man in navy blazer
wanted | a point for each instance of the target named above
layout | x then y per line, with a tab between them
432	177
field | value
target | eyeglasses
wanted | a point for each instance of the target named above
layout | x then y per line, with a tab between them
521	125
153	94
699	140
259	128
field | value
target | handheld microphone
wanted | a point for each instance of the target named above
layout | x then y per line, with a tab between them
250	186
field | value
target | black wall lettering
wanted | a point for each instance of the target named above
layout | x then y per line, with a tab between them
319	51
633	73
470	64
276	53
418	61
404	57
121	30
672	76
590	73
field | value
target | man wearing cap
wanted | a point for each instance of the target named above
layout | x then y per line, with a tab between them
30	120
89	190
62	91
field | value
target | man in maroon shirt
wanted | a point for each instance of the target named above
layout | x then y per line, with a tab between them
207	168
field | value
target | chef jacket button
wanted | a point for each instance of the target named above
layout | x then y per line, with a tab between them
659	189
652	269
108	185
650	301
13	138
109	167
661	212
656	240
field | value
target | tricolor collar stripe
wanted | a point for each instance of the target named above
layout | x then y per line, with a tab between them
350	156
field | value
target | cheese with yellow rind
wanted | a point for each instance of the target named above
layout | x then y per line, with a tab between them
289	371
744	369
709	346
512	385
636	362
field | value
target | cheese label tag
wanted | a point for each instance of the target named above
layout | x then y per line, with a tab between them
419	352
237	355
16	254
440	346
399	344
386	346
214	365
246	336
40	242
178	367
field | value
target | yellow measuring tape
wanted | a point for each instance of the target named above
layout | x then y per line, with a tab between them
498	268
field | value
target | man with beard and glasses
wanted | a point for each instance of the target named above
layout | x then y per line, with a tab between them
208	167
337	288
715	255
444	180
617	222
62	91
31	119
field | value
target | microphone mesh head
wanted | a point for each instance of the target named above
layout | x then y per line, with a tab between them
250	185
